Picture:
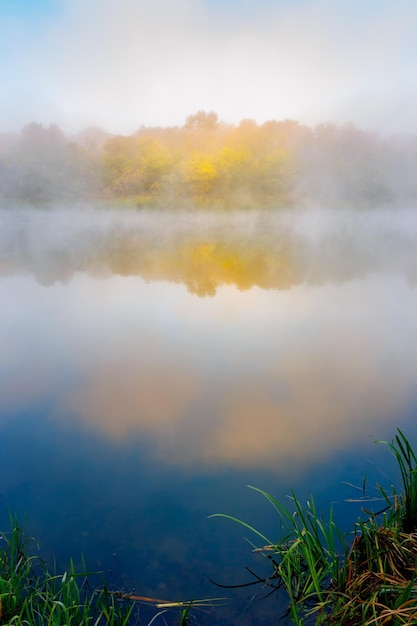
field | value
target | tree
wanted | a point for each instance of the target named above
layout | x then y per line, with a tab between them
120	165
202	121
234	168
155	164
201	174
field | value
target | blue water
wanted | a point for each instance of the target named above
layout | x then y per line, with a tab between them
132	409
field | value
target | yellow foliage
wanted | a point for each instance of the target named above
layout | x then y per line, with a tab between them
155	162
201	174
229	159
205	160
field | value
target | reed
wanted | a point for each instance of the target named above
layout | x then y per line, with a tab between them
330	578
31	595
405	510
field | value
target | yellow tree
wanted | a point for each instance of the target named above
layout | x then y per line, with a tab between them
275	175
233	166
202	121
120	167
155	164
201	174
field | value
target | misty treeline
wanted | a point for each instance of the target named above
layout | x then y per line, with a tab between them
208	162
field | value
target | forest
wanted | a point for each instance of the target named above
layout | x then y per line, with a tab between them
206	162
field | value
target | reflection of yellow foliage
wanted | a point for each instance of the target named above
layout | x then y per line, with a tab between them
206	265
212	264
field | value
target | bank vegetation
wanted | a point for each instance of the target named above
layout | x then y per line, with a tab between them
206	162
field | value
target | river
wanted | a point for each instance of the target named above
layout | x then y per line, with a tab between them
155	363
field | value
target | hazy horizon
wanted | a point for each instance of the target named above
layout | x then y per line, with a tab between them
120	65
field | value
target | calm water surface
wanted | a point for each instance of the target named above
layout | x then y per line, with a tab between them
153	365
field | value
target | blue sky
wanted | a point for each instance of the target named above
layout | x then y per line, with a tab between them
34	11
123	63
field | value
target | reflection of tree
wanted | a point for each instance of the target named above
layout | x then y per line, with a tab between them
207	265
202	265
201	287
204	255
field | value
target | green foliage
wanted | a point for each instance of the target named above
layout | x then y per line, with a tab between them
333	580
306	558
30	594
405	509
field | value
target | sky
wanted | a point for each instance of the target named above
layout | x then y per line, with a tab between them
121	64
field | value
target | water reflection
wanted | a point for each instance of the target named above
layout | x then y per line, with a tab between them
133	409
204	251
250	379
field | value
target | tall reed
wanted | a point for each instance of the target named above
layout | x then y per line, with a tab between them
330	578
31	595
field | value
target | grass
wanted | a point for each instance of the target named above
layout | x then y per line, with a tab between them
368	577
330	578
31	595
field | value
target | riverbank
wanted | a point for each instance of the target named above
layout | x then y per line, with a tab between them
366	576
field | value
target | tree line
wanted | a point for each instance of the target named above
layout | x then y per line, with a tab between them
208	162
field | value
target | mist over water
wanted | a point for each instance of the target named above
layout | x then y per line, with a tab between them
208	276
242	248
297	319
156	362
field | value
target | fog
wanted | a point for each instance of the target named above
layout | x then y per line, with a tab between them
206	162
205	250
121	64
221	338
